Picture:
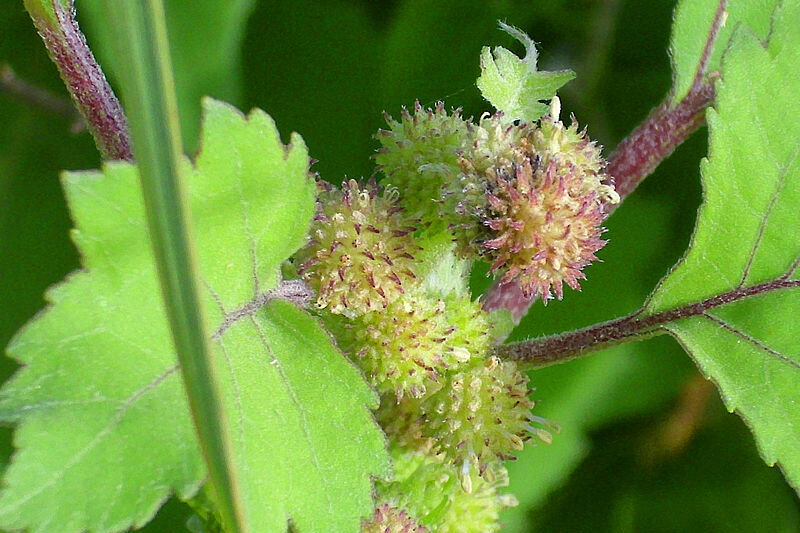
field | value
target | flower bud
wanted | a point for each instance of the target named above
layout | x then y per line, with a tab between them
480	417
403	349
419	153
360	257
407	348
431	490
538	222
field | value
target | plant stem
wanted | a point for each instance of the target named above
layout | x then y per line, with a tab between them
14	85
545	351
638	155
150	98
664	129
93	96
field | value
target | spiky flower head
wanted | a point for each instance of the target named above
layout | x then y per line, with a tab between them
553	140
403	349
541	222
431	491
360	257
481	417
478	511
419	153
409	346
390	519
494	144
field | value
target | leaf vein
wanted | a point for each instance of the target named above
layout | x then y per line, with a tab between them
752	340
792	269
249	233
783	172
298	405
237	397
96	440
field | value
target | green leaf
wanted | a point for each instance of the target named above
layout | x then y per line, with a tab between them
739	280
690	30
305	437
104	434
515	86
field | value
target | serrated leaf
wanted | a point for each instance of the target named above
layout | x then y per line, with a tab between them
515	86
302	431
713	481
104	433
739	279
690	30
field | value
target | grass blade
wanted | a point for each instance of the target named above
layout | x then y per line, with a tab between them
149	96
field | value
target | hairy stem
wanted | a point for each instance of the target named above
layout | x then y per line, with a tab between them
664	129
93	96
638	155
545	351
667	126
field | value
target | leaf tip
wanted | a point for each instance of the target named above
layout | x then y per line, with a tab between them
531	54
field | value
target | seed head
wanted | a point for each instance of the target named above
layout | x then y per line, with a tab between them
406	348
419	153
471	330
465	205
478	511
496	143
360	257
403	349
539	224
480	418
403	423
553	140
431	491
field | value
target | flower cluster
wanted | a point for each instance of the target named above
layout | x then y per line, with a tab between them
480	418
425	336
544	193
528	198
431	491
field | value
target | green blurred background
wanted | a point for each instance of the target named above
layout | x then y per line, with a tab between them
646	444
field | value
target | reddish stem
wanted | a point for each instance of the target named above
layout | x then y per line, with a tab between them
85	80
553	349
667	126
